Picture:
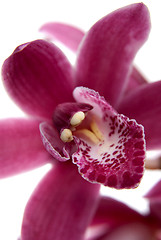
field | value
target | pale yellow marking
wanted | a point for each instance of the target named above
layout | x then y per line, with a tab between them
89	134
95	129
77	118
66	135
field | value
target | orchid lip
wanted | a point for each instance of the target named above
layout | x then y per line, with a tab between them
110	147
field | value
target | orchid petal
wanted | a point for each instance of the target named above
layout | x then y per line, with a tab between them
144	104
155	193
61	206
38	77
67	34
108	49
136	79
114	213
117	159
155	211
132	231
71	37
21	146
51	140
154	197
153	162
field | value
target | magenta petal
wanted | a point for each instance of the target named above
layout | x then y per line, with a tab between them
144	104
61	206
155	211
51	140
114	213
155	193
38	76
132	231
108	49
21	146
154	196
117	159
136	79
67	34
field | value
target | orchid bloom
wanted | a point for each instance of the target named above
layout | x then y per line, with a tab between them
115	220
79	112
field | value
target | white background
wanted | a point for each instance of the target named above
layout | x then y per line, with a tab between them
19	23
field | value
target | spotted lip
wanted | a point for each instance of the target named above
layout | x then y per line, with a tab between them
117	159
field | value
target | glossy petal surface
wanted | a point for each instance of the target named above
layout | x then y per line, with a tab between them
117	160
61	206
38	77
21	147
67	34
107	52
144	104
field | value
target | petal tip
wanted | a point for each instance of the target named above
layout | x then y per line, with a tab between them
155	193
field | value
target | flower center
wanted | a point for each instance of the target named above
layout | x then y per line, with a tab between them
68	119
92	133
66	134
77	118
107	147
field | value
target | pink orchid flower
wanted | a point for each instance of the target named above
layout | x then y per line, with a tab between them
79	111
115	220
